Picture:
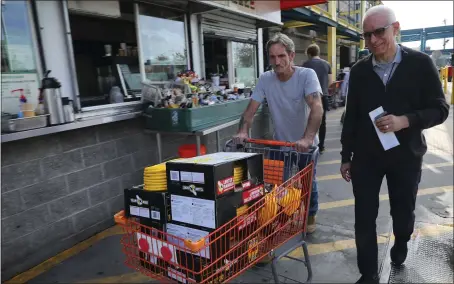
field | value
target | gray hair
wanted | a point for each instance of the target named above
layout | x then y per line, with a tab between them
381	10
282	39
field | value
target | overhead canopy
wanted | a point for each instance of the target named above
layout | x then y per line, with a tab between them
320	21
290	4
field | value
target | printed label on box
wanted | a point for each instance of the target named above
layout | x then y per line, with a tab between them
226	185
253	249
253	194
192	188
186	176
194	211
186	233
162	249
198	177
156	215
246	184
245	221
192	177
144	212
175	175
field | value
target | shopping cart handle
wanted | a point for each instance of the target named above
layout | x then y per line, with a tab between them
270	142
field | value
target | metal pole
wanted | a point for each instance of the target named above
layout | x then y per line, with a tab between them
218	141
197	139
70	51
158	142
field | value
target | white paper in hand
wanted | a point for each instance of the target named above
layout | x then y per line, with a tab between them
388	140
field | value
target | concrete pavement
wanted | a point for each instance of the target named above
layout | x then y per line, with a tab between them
332	246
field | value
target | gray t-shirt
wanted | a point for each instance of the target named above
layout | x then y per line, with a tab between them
322	68
286	101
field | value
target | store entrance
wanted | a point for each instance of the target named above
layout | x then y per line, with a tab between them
105	53
216	61
344	56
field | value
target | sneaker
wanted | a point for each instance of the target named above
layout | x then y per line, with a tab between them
369	279
311	224
321	149
399	253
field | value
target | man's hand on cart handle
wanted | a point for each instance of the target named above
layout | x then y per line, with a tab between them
240	137
303	145
345	171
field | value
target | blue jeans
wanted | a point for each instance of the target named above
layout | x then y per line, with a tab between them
302	163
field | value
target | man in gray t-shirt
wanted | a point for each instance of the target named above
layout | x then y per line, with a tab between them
293	95
324	75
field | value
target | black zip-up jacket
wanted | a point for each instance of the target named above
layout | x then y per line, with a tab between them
414	90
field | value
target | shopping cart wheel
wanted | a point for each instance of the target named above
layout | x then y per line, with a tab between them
306	261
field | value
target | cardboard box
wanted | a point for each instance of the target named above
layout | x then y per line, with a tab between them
203	190
152	208
187	261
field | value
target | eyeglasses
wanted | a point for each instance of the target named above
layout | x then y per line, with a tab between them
377	33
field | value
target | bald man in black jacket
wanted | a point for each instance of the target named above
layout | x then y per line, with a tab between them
405	83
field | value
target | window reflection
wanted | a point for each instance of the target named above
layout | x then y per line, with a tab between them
244	63
163	43
18	65
16	41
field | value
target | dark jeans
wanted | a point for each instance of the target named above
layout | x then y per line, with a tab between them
322	132
403	178
289	161
322	129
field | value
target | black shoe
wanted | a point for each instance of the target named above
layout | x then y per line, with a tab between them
399	253
321	149
369	279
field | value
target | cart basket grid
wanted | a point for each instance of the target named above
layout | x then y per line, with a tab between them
257	230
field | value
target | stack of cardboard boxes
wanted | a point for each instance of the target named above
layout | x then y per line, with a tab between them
203	194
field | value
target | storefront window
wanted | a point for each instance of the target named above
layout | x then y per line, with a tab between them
18	66
163	40
244	63
106	55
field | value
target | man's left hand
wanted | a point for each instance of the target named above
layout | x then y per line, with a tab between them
303	145
392	123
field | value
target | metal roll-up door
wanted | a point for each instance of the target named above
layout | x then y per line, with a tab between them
228	25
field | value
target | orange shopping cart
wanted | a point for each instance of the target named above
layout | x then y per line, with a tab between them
273	226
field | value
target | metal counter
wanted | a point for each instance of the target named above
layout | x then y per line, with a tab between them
102	119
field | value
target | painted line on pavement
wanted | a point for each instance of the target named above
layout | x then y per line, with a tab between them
332	162
134	277
333	132
332	139
425	166
116	230
383	197
327	150
53	261
314	249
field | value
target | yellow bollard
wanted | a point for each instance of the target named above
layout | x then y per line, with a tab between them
445	80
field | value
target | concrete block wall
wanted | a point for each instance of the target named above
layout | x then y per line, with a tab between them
60	189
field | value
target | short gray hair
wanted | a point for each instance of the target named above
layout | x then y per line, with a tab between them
282	39
383	11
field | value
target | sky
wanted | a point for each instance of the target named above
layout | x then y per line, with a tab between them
423	14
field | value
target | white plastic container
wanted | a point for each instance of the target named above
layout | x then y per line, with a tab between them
115	95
